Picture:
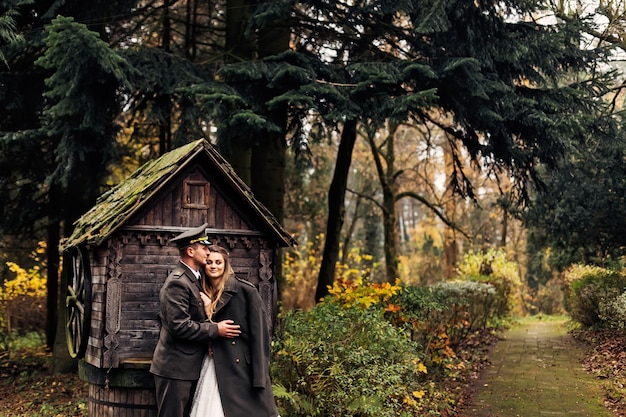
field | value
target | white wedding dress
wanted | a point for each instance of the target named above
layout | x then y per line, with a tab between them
206	400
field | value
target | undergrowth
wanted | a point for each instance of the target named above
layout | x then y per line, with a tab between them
28	388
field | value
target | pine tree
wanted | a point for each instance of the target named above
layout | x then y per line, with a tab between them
514	88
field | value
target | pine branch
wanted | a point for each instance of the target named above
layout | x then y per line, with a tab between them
603	36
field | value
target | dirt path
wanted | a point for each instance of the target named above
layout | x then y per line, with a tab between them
536	371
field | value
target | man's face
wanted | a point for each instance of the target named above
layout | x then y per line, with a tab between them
198	253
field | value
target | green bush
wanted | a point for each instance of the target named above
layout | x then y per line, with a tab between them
440	317
595	295
338	361
492	267
15	342
613	312
378	349
470	303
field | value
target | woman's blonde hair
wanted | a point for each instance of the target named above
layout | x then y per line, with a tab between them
216	293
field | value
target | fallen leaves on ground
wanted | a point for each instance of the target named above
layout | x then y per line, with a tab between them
606	359
29	388
474	351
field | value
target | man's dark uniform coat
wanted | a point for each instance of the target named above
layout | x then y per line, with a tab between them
183	342
185	333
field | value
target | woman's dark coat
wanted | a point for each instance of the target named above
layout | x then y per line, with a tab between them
242	363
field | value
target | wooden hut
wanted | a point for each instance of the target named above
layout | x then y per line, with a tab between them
119	256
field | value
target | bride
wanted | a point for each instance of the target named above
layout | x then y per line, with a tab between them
234	380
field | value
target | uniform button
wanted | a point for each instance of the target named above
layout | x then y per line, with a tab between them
237	360
233	343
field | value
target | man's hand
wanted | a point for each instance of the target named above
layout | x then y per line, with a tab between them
228	329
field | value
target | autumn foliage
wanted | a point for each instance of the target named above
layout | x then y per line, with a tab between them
376	349
22	298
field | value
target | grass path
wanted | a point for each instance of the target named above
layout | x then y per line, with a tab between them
536	371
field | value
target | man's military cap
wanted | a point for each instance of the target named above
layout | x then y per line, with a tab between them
196	235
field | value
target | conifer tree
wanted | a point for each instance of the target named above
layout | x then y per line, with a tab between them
514	87
578	216
56	153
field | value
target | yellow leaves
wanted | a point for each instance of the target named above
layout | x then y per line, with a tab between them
301	269
411	401
41	250
422	368
419	394
419	366
30	282
356	293
455	366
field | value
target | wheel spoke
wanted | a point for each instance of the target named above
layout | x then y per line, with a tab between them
76	336
79	333
70	291
72	318
78	302
75	272
80	292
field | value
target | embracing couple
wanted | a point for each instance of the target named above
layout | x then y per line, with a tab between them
212	357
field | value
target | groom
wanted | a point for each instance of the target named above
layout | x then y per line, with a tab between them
185	331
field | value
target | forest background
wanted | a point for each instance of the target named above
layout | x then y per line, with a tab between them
392	138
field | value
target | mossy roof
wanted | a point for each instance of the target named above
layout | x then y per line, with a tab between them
116	206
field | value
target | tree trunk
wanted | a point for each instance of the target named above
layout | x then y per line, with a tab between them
52	258
390	233
390	220
52	281
450	253
270	158
268	186
164	101
386	176
238	47
336	209
505	228
450	245
351	228
62	361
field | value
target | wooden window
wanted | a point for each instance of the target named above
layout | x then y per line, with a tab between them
196	194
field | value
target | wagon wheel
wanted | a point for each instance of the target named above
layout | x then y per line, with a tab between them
78	302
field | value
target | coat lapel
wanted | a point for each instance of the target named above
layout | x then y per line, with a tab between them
230	289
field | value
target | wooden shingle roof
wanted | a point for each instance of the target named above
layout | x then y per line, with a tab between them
116	206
